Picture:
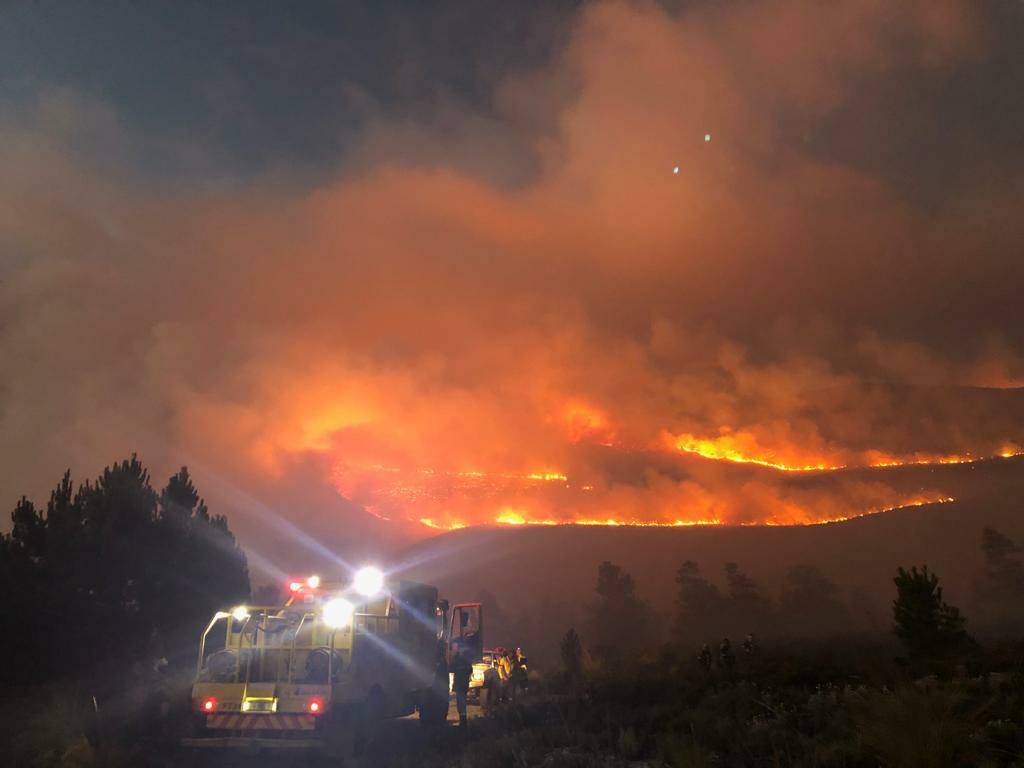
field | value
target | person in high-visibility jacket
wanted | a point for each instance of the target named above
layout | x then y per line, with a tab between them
504	673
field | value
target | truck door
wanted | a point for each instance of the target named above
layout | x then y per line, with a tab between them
466	632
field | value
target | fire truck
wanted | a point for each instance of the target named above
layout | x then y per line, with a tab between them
322	670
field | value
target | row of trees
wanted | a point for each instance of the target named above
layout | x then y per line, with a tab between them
999	587
808	605
113	571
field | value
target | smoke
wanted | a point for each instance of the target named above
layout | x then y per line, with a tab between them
438	336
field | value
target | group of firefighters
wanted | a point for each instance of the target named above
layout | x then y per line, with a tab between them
726	655
508	679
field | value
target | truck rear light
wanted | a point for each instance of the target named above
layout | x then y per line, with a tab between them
209	704
295	586
315	706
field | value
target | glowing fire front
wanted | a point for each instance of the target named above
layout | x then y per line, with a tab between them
513	517
744	448
521	517
434	499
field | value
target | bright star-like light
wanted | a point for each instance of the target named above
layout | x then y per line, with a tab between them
368	581
707	137
675	169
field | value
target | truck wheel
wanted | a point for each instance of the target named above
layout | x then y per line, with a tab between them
371	715
340	737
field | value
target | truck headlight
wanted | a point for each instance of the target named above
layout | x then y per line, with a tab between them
368	581
338	612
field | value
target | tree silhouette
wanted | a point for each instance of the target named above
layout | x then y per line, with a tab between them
119	567
1002	582
1003	565
928	626
809	604
613	583
699	604
747	609
215	575
572	656
619	620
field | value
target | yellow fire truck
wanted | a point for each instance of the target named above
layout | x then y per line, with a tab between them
320	671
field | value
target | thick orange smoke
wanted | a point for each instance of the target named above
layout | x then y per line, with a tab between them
688	283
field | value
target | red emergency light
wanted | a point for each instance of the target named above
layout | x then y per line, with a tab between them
315	706
209	704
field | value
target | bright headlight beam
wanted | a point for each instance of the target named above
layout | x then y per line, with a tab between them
240	613
368	581
337	613
313	582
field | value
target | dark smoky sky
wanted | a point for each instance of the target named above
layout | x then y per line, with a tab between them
319	247
254	86
247	87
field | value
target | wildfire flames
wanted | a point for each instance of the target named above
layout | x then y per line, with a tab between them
523	316
743	449
512	517
451	500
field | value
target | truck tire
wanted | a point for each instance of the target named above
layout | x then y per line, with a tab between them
368	721
339	740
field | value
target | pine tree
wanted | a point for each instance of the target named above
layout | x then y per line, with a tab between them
572	656
115	564
809	604
928	626
699	604
619	620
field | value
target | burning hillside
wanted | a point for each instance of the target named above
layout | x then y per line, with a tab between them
665	492
701	295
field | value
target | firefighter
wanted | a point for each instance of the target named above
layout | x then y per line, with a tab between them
462	671
749	645
504	674
726	658
704	657
519	680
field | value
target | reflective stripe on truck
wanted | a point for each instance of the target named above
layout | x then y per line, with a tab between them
242	722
